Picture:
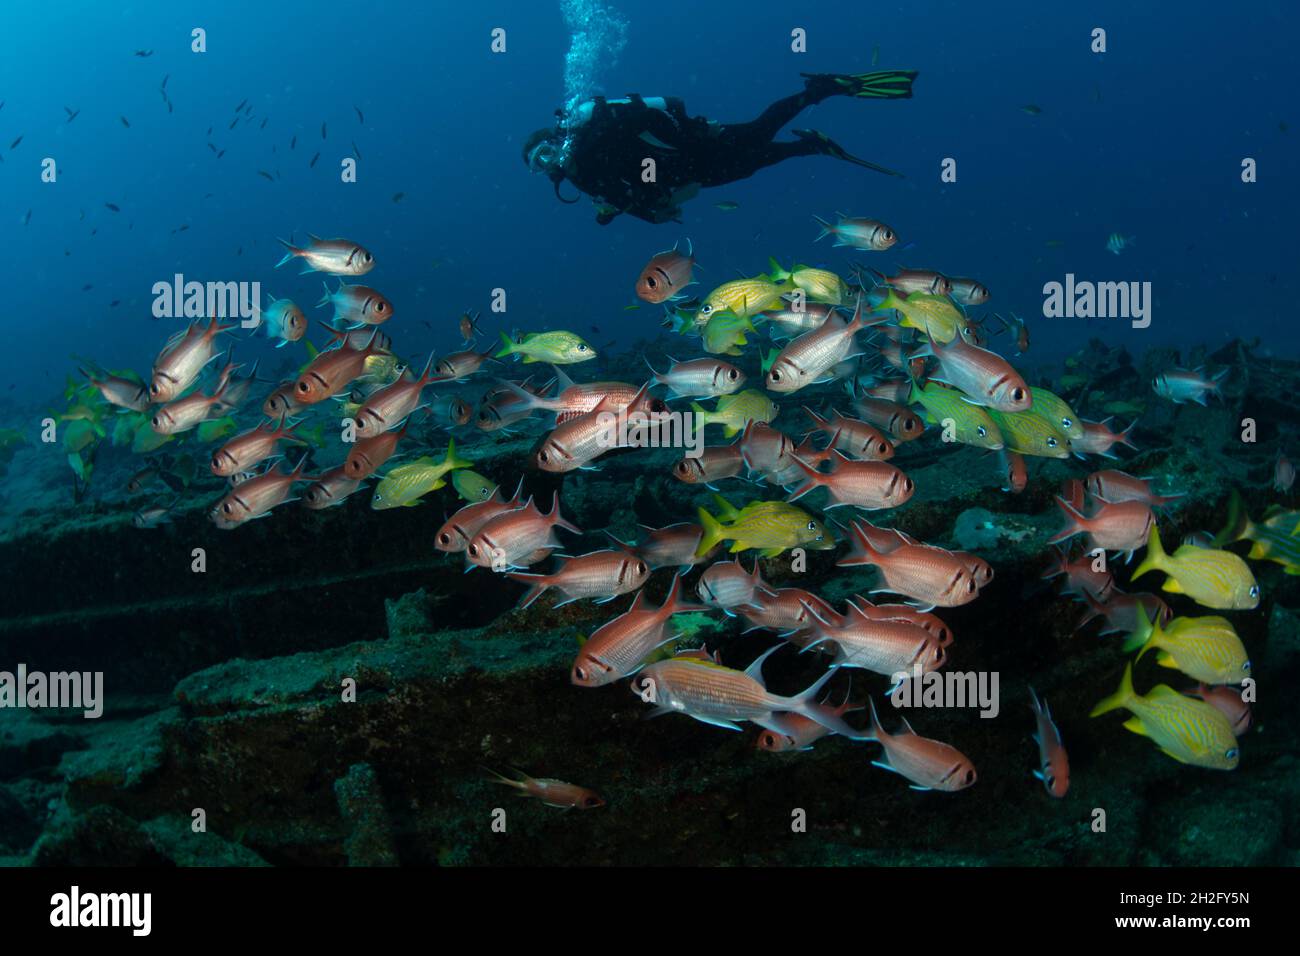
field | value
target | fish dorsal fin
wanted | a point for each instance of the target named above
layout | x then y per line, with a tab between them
755	670
562	380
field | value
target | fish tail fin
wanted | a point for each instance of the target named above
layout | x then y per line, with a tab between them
827	228
507	781
1155	556
713	533
812	480
1124	437
1143	634
454	460
658	379
507	346
290	253
1074	522
827	715
860	549
538	584
325	299
1238	522
1120	698
674	604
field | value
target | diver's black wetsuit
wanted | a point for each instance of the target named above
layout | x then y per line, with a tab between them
608	149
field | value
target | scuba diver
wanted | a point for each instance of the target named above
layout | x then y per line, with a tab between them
601	146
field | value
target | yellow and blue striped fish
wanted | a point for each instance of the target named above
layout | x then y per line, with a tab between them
1204	648
771	526
1277	538
1029	433
1189	730
1209	576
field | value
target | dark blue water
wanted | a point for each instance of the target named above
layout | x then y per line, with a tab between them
1145	140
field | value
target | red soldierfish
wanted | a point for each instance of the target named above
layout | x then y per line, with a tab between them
368	454
332	371
1121	526
883	646
670	546
1229	702
182	359
553	793
855	438
864	484
185	413
256	497
247	449
720	696
969	292
461	365
1053	764
119	391
665	275
801	732
714	463
930	576
808	359
336	256
985	377
389	405
618	648
1098	439
600	575
329	489
899	421
1116	486
727	585
515	539
458	530
929	764
699	378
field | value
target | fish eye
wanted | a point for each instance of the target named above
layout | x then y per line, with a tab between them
970	776
774	375
444	538
981	431
706	309
883	448
582	348
812	525
733	374
226	507
1017	394
970	585
649	281
302	387
579	673
1254	591
473	550
155	420
542	456
1232	753
1067	422
591	802
1051	443
907	484
1246	666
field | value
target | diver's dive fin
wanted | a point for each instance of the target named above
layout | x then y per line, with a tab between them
829	147
882	85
